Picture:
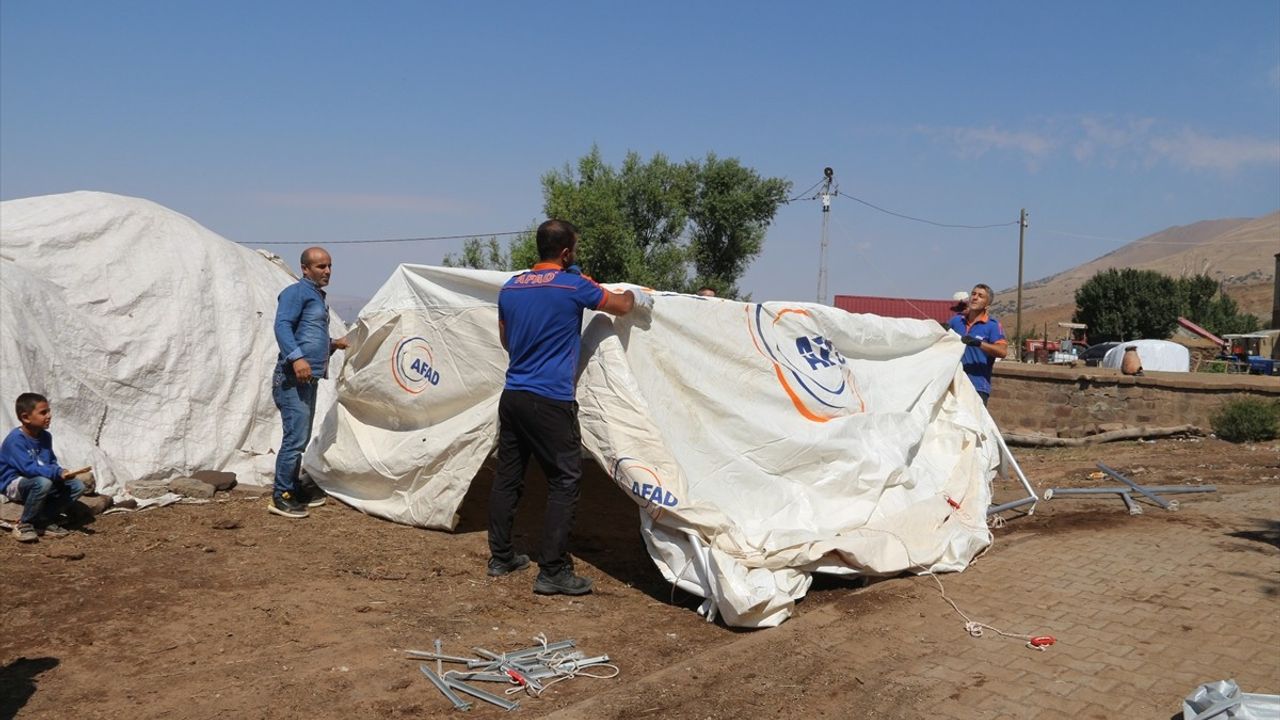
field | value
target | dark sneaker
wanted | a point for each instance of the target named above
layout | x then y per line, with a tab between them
498	568
562	583
53	530
311	496
286	506
25	533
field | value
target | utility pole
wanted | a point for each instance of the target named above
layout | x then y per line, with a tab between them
1022	235
826	193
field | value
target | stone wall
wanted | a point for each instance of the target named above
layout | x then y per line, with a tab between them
1071	402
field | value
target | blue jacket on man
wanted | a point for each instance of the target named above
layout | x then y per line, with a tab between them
302	327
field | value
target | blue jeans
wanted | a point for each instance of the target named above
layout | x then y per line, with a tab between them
43	500
297	404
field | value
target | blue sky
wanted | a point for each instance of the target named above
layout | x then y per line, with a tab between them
327	121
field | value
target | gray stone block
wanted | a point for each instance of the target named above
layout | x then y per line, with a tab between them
252	491
145	490
191	487
96	504
219	480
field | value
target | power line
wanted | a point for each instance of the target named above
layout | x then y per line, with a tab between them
805	195
929	222
391	240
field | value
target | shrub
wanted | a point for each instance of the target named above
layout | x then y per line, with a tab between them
1247	420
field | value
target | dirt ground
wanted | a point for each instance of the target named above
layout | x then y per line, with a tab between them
225	611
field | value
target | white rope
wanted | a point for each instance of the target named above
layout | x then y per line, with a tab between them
975	628
564	666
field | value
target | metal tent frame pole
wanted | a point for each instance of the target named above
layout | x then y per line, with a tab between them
1006	457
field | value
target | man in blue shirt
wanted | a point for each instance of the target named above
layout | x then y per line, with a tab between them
540	325
983	337
302	332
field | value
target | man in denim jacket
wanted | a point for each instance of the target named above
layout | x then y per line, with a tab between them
302	332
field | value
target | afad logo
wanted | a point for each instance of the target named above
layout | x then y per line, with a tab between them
413	365
653	498
813	374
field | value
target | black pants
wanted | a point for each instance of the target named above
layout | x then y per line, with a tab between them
529	424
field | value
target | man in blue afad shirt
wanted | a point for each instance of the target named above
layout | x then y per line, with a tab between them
983	338
30	474
302	332
540	325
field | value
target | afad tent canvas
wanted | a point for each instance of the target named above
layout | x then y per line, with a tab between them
151	336
761	442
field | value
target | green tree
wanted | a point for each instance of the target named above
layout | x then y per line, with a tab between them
666	225
1222	316
1204	303
487	254
1128	304
730	212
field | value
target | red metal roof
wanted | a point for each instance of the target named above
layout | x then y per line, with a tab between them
939	310
1194	328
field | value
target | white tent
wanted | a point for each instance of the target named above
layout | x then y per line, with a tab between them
150	335
761	442
1156	356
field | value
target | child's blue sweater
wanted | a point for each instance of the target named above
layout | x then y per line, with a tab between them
24	456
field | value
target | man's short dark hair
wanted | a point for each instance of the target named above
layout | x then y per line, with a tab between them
555	236
27	402
990	293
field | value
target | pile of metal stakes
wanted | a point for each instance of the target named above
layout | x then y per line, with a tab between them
530	670
1151	492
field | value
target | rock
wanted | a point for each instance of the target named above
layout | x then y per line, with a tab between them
399	684
225	524
252	491
219	480
147	489
63	553
10	512
191	487
96	504
127	504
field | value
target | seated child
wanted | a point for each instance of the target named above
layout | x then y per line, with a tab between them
30	474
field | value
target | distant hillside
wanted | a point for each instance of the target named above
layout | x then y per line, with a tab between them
348	306
1240	252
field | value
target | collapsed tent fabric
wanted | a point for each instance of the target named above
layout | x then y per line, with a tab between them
150	335
761	442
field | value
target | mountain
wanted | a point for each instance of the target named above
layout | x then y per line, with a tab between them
1239	252
348	306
